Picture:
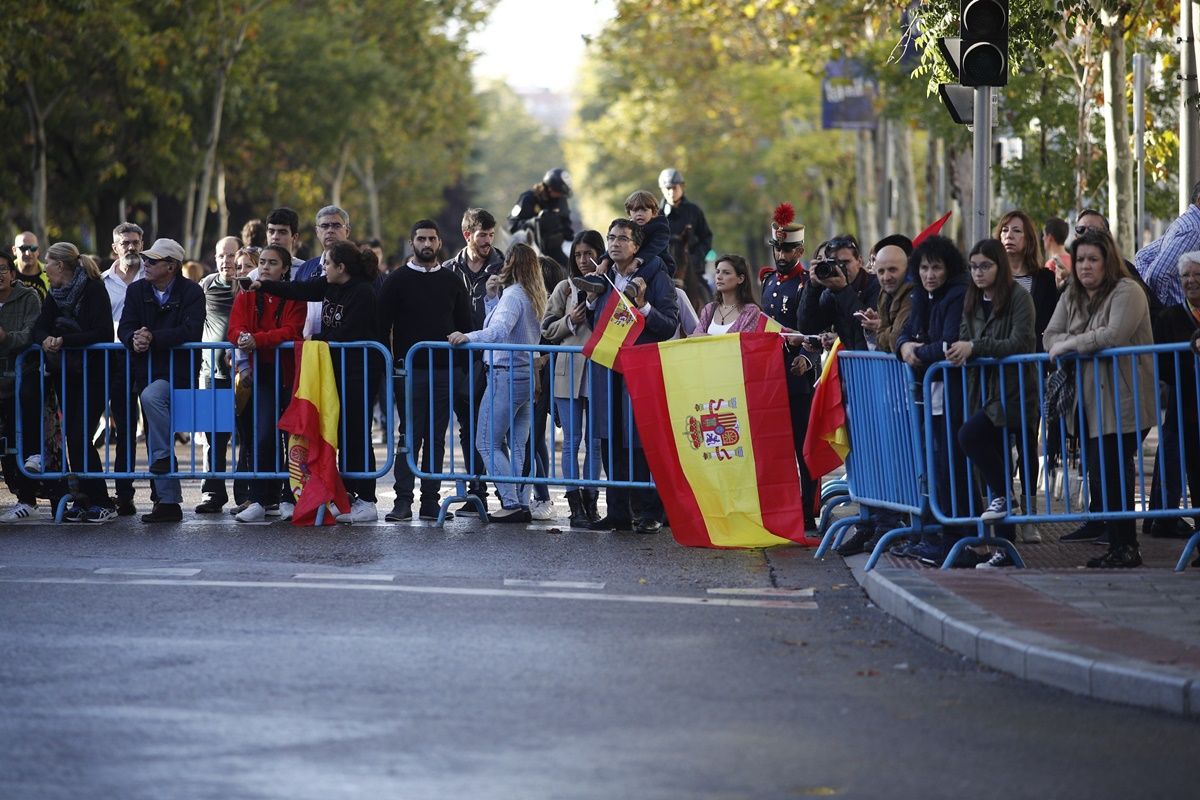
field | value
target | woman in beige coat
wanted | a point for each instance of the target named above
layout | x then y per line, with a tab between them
566	323
1103	308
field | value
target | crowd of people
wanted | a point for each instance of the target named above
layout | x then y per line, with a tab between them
1013	294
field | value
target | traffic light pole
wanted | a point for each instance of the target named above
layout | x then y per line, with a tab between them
982	189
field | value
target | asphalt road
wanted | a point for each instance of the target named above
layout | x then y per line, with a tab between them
210	660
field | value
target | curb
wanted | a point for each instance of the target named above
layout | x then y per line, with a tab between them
961	626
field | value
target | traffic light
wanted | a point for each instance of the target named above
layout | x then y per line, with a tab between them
983	29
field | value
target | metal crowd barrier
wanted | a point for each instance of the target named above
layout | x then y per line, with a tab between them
465	369
211	410
957	495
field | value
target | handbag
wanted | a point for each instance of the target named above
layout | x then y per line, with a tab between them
1059	401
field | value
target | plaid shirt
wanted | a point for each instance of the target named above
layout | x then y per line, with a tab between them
1158	262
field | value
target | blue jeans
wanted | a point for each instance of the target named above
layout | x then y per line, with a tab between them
502	430
570	413
160	439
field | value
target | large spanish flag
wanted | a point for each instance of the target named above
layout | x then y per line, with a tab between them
712	413
312	420
617	324
827	440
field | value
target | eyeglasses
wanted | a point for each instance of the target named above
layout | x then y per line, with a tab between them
844	241
612	239
4	270
982	266
150	262
330	226
250	250
28	248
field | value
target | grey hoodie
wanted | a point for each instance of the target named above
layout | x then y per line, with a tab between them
17	315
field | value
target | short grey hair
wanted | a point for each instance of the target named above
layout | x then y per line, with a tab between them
128	227
329	211
1191	257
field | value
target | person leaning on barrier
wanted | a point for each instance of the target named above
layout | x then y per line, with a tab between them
123	411
505	413
542	507
77	313
566	323
932	327
425	301
218	291
162	311
348	314
997	321
652	293
1177	371
1103	308
19	309
258	324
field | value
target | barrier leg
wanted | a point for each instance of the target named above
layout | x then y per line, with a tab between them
462	494
886	540
1188	549
321	515
833	536
61	509
834	489
988	539
827	510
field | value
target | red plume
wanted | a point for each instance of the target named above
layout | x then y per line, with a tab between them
784	215
932	230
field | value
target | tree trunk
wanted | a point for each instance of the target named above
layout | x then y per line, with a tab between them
865	186
1117	133
365	173
962	191
188	209
339	174
222	203
907	210
36	114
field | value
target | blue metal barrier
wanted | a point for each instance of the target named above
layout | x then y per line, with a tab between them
211	411
440	363
957	495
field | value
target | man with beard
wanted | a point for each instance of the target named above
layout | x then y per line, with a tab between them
475	264
333	226
422	301
123	408
793	300
543	216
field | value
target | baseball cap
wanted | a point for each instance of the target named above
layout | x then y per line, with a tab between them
165	248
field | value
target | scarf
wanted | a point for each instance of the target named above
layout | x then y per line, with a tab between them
1195	311
68	297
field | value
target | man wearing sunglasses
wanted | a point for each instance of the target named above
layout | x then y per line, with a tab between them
30	271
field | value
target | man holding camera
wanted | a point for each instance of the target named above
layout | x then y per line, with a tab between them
792	298
849	291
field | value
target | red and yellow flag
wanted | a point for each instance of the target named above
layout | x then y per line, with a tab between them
827	440
712	413
617	324
768	324
312	420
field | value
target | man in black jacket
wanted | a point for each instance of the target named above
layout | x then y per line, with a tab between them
690	234
543	217
849	291
162	310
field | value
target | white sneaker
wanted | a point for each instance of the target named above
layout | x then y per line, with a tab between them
34	463
286	510
18	513
251	513
997	509
542	509
360	511
1029	533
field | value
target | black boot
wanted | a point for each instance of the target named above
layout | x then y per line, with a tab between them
590	497
579	518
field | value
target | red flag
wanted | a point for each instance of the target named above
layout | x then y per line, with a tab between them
618	324
827	440
932	230
312	420
714	419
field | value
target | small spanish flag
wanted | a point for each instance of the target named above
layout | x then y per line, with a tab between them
712	413
312	420
827	440
617	324
768	324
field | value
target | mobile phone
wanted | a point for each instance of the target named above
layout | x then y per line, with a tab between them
245	283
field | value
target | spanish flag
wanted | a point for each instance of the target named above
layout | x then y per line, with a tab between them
312	420
617	324
712	413
827	440
768	324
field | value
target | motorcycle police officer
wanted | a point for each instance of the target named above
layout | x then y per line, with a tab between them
542	217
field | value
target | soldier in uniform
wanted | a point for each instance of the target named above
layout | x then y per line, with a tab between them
542	217
792	299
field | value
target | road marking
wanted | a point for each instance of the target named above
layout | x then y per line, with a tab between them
728	602
334	576
553	584
164	571
765	592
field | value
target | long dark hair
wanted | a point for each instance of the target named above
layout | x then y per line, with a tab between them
745	292
1114	269
1031	257
993	251
361	262
593	239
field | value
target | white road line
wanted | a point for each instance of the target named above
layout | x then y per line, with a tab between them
553	584
445	590
334	576
765	592
163	571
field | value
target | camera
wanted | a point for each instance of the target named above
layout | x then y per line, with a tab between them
824	269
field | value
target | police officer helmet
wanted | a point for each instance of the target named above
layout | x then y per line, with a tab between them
558	180
669	177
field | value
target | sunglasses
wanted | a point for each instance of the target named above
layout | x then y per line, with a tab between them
843	241
28	248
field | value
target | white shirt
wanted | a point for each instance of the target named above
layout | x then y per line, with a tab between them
117	288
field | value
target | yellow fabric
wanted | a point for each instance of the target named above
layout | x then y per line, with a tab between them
839	437
619	326
703	377
318	386
772	325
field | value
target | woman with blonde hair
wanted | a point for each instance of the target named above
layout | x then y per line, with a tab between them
77	313
514	313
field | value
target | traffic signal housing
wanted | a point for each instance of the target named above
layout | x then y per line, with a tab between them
983	29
